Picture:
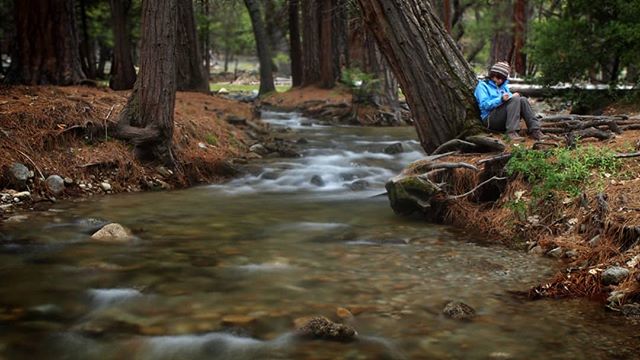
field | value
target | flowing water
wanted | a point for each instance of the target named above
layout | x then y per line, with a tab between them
221	272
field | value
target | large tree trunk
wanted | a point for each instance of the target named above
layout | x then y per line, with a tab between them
436	79
206	45
147	119
295	49
190	72
87	53
262	44
502	39
311	42
520	21
47	50
123	74
327	76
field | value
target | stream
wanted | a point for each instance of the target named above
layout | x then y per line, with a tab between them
221	271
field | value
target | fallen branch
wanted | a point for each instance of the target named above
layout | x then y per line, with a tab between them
627	155
495	158
452	165
453	197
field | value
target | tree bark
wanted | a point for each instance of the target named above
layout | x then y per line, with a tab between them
123	74
147	119
520	21
206	44
190	72
436	79
87	53
295	49
327	77
262	45
502	40
311	42
46	50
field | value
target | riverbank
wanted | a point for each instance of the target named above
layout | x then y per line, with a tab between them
51	150
575	201
340	105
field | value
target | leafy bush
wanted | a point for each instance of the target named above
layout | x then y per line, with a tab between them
562	170
364	86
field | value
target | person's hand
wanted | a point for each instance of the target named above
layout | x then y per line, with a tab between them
516	94
505	97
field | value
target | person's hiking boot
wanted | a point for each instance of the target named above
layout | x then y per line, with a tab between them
537	135
513	136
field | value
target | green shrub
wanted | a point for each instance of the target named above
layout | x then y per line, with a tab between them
563	170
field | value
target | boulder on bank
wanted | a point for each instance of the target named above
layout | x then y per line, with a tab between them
55	184
614	275
319	327
17	176
458	310
113	233
410	193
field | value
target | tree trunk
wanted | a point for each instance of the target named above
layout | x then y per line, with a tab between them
88	55
520	20
340	40
262	45
105	54
147	119
436	79
123	74
311	42
295	49
502	40
190	72
47	50
205	39
327	77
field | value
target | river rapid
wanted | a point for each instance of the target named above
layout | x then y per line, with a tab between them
221	271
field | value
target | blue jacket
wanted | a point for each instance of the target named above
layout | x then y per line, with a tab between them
489	96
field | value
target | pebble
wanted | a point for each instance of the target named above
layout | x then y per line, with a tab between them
556	252
105	186
343	313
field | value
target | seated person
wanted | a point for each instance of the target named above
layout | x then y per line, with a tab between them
501	110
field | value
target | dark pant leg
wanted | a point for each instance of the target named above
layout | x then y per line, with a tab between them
506	116
529	116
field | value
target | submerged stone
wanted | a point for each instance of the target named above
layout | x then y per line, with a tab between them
319	327
113	233
458	310
394	149
317	180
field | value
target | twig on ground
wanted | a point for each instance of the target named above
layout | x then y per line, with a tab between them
105	123
453	197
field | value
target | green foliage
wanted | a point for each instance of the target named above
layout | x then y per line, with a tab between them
212	139
585	38
562	170
362	84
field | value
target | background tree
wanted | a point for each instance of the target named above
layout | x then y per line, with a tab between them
190	71
123	74
147	119
295	53
262	45
434	76
587	40
311	42
46	45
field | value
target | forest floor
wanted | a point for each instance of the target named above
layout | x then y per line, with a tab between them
45	128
